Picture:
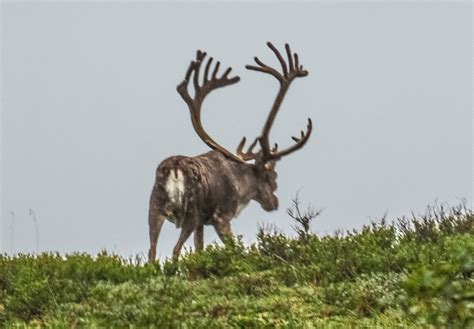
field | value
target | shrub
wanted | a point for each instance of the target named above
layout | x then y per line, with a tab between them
442	293
409	273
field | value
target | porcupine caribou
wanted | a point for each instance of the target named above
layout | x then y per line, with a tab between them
212	188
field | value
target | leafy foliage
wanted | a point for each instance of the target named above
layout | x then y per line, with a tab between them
411	273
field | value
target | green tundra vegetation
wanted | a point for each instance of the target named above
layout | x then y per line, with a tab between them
409	273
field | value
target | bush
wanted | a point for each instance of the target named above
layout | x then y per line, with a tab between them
442	293
409	273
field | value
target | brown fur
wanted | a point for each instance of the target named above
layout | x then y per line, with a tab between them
214	189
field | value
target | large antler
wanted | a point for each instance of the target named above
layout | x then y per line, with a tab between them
290	71
200	92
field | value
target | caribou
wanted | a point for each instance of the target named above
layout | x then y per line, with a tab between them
212	188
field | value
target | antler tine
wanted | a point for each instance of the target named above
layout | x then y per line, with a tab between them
280	58
300	142
216	68
206	70
249	155
197	67
290	57
182	88
195	103
226	73
264	68
189	71
275	148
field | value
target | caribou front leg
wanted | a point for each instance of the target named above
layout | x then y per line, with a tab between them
199	237
222	227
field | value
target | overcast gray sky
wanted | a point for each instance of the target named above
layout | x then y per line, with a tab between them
89	109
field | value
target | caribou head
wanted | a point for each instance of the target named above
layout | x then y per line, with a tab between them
212	188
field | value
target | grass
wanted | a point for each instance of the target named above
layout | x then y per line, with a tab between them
411	273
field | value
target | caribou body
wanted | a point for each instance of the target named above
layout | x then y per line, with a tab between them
212	188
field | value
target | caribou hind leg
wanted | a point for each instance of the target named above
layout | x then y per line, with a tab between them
155	222
185	233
